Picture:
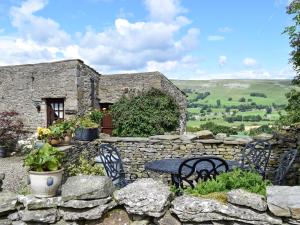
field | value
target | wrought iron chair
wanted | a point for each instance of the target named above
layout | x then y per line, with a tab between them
285	163
193	170
111	160
256	156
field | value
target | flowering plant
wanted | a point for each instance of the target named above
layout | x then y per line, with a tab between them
43	133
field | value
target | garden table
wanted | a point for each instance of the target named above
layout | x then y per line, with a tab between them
171	166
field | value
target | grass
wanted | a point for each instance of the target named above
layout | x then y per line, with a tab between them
275	91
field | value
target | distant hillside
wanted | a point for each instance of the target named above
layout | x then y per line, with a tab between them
228	98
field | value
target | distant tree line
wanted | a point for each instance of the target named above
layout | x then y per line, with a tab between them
257	94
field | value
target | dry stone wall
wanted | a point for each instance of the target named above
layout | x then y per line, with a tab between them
147	202
135	152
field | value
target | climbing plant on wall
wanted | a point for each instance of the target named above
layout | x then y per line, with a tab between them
149	113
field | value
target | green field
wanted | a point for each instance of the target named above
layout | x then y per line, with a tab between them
222	90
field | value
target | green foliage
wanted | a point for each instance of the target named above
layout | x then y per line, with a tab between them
293	31
86	122
236	179
85	167
261	129
150	113
96	116
46	158
292	109
215	129
56	131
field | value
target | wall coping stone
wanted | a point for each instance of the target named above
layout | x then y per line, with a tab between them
165	137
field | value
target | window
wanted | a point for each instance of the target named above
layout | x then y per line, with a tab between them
55	110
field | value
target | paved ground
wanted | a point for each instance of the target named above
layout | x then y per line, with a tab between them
15	174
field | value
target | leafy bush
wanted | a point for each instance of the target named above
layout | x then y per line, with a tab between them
96	116
150	113
236	179
47	158
11	128
256	94
215	128
85	167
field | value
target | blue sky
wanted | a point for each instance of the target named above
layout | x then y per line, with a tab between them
187	39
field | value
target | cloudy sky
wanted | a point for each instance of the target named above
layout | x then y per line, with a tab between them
184	39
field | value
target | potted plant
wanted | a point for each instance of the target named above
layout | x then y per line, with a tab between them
45	170
55	136
67	128
86	129
11	128
42	136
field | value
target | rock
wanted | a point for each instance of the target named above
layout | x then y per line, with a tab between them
14	216
8	202
188	137
284	201
205	134
113	217
165	137
245	198
5	221
42	215
62	222
32	202
80	204
167	219
221	136
263	137
87	187
86	214
196	210
145	197
141	222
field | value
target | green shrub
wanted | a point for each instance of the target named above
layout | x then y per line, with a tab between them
85	167
96	116
236	179
150	113
215	128
46	158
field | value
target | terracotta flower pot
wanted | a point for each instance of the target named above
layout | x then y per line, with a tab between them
54	141
67	139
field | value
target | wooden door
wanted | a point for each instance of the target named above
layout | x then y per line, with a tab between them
107	124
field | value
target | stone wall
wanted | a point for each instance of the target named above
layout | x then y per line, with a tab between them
135	152
113	87
93	200
23	87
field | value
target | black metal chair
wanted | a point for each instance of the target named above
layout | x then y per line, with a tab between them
194	170
256	156
285	163
111	160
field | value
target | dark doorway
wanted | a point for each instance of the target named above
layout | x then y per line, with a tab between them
107	125
55	110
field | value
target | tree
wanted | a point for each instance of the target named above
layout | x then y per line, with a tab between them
218	103
293	31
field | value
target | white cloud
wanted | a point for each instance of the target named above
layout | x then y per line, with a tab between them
225	29
215	38
222	60
250	62
36	28
164	11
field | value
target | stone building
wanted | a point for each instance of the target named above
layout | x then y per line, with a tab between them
113	87
45	92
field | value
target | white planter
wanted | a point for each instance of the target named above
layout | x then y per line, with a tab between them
45	184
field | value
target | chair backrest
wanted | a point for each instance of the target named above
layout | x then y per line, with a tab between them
256	156
285	163
112	163
193	170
